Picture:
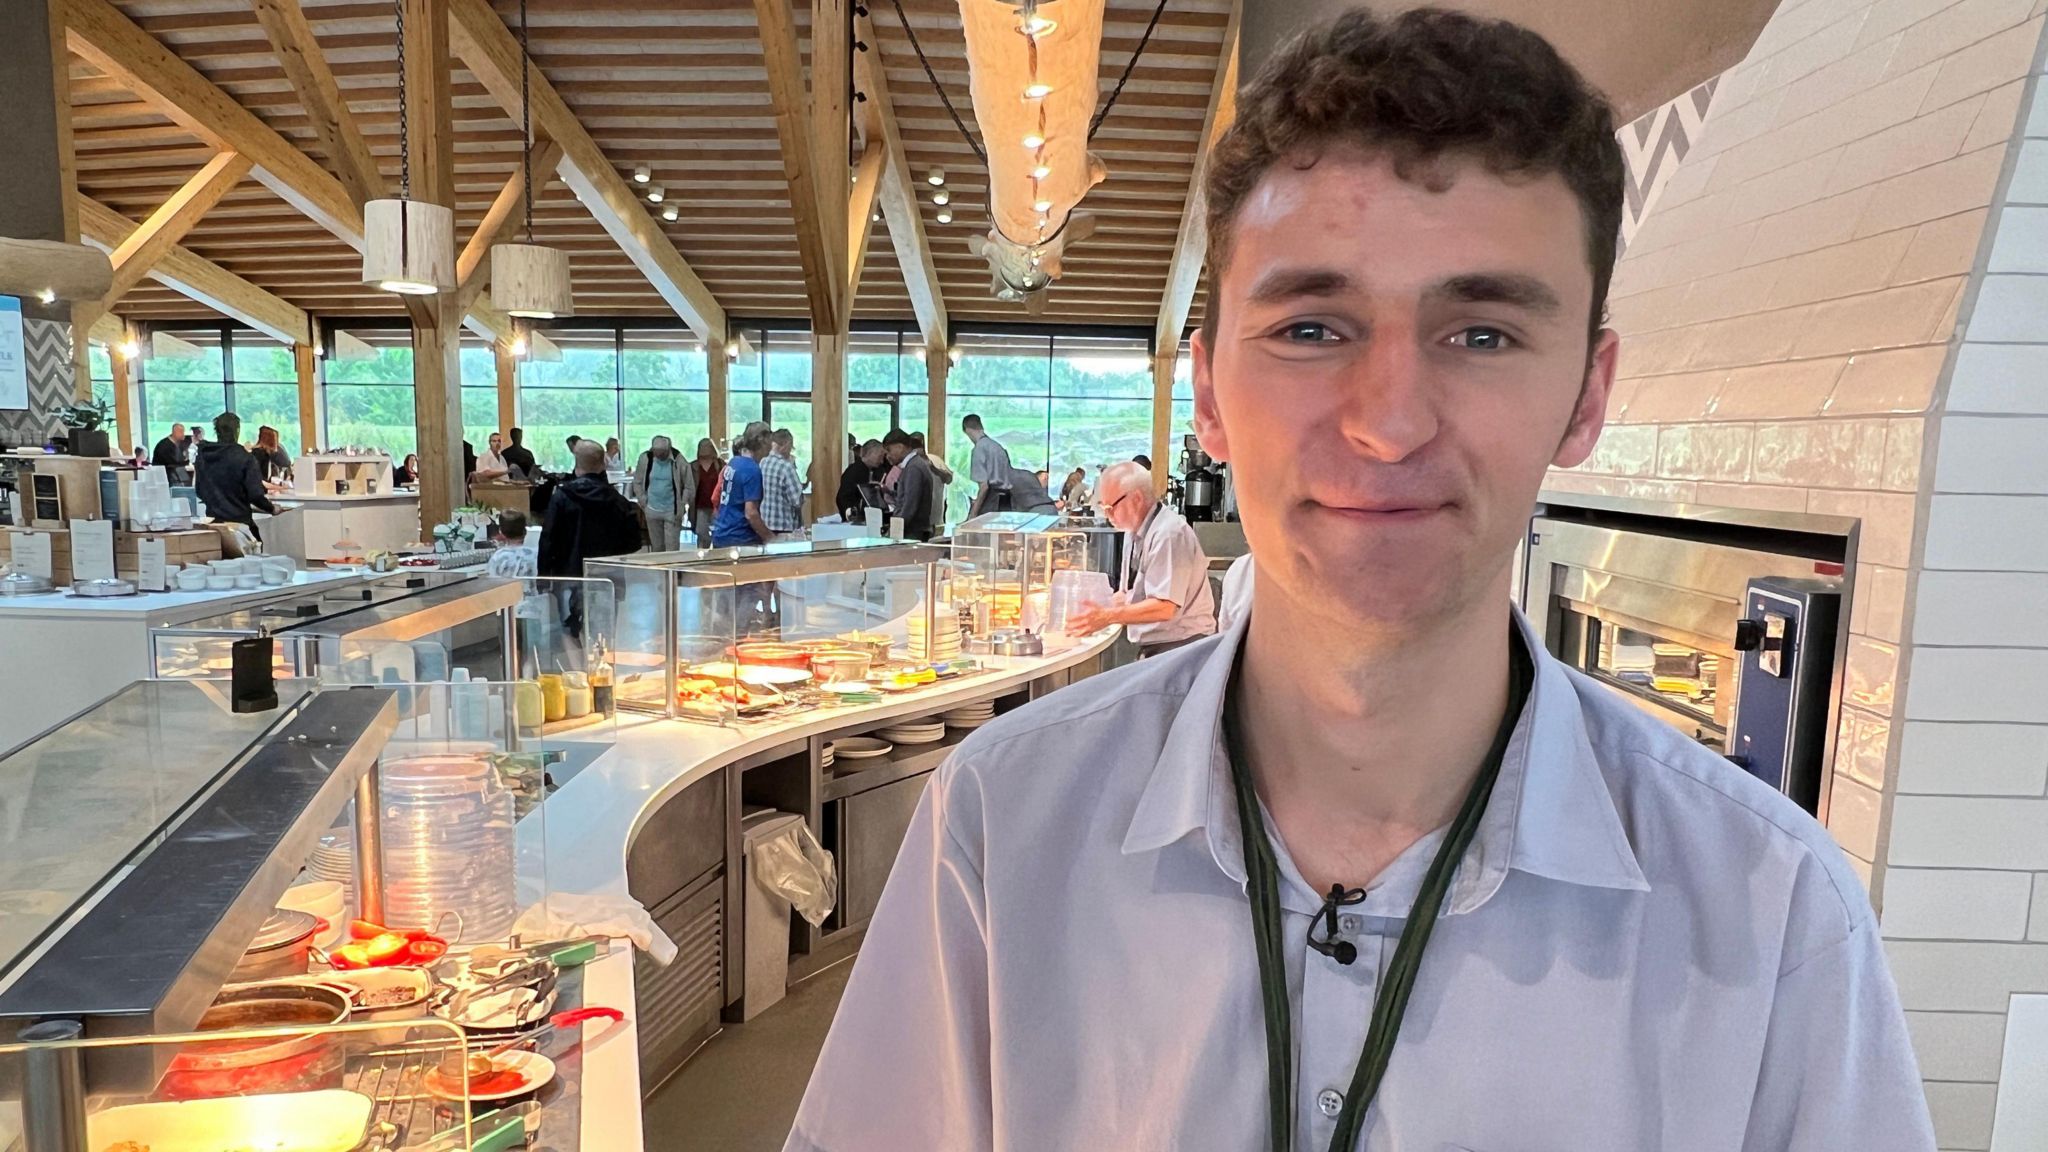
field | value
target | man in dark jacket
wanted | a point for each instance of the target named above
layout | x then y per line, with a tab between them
229	480
586	517
520	457
860	486
913	485
170	455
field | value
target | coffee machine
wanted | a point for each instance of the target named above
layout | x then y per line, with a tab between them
1201	489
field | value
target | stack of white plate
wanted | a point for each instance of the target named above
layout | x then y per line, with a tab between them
945	643
860	748
449	863
915	732
970	715
830	754
335	859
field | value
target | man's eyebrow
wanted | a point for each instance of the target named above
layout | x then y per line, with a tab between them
1511	288
1294	283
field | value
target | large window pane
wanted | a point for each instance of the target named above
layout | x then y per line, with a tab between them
1092	433
681	416
479	416
741	409
373	416
1001	366
261	360
205	366
872	363
913	414
589	360
1101	367
868	420
1019	423
191	403
276	405
551	415
666	360
786	362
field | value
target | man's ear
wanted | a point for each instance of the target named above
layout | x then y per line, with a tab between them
1208	425
1589	415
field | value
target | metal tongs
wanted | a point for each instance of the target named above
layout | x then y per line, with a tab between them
458	1005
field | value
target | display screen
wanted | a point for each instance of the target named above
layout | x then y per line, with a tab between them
13	355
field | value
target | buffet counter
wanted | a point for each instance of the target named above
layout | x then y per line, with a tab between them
309	526
66	652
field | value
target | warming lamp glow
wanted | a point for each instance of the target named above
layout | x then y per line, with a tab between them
942	198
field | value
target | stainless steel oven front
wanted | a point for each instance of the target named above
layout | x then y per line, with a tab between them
1721	623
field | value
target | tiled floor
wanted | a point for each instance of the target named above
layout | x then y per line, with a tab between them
740	1093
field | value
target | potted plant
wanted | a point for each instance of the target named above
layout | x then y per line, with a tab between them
84	420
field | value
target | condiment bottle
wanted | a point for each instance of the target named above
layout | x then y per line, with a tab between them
554	700
601	701
576	693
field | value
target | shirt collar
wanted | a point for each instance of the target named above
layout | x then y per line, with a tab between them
1550	815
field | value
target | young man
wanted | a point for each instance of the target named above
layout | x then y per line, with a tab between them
988	469
914	483
170	455
586	518
519	458
860	486
228	479
739	496
1371	869
782	485
1168	604
494	464
666	489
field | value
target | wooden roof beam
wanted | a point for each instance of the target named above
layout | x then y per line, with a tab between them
137	254
898	192
334	125
800	156
1191	248
200	279
860	215
117	46
486	47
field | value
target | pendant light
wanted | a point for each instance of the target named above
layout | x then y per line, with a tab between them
408	245
529	280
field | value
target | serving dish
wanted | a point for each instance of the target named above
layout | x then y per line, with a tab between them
239	1066
330	1120
513	1076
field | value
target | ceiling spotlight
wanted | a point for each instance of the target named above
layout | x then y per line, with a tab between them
519	345
921	353
641	175
945	215
47	296
1042	206
656	194
875	217
1035	25
1040	172
129	349
935	177
669	212
942	197
1034	140
954	355
732	350
1037	91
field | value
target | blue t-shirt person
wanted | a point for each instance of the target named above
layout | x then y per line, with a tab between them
740	483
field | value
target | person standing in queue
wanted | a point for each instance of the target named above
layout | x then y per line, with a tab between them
665	488
228	479
517	457
587	517
782	485
914	484
860	486
1166	603
1372	869
988	469
496	462
169	455
739	519
704	504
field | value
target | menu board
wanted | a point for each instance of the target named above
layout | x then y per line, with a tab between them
32	553
92	550
13	355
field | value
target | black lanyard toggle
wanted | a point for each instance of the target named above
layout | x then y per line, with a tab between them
1336	948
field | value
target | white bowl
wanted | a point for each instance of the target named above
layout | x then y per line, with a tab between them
220	582
246	579
228	564
192	580
276	575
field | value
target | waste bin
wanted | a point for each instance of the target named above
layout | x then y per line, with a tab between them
784	863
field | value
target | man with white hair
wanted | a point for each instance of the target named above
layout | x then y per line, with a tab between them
1167	602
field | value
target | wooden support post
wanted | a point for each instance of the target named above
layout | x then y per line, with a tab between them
303	362
437	328
831	124
126	432
828	421
1163	359
508	386
718	367
937	365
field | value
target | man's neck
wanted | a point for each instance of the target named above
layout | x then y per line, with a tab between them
1363	742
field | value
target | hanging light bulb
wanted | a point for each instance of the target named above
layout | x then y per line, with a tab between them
945	216
530	280
47	296
1037	91
935	177
954	355
519	345
1032	24
1042	206
875	216
1034	141
657	194
1040	172
923	354
942	197
641	175
129	349
408	245
669	212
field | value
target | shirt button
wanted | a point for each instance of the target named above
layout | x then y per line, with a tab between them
1350	924
1329	1102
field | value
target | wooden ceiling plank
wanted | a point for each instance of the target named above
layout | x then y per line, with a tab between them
334	125
799	154
484	45
200	279
898	192
140	251
111	42
1191	247
860	211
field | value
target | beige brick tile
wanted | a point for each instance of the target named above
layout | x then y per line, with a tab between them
1669	491
1671	399
1853	811
1812	53
1974	759
1844	270
1703	452
1873	674
1792	23
1760	339
1891	103
1821	224
1887	531
1959	185
1732	138
1861	741
1944	247
1962	1113
1807	453
1891	16
1788	390
1895	317
1956	904
1560	480
1999	117
1958	1045
1830	84
1880	382
1921	141
1618	398
1941	976
1956	26
1880	602
1990	63
1690	181
1736	293
1902	447
1648	311
1625	450
1758	496
1660	352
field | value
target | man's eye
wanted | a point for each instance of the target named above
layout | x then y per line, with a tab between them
1307	333
1483	339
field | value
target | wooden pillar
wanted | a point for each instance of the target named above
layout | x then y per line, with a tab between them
126	433
831	126
1162	414
719	368
508	386
828	421
437	327
304	367
937	365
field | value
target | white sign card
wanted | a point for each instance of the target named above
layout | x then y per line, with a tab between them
92	550
13	355
895	527
32	553
150	570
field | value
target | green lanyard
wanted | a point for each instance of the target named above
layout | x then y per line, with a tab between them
1262	875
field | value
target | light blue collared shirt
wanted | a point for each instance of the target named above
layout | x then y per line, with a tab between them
1645	949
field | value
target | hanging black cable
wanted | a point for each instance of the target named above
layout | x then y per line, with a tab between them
1129	65
526	118
979	152
404	144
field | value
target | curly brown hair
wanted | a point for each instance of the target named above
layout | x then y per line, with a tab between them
1417	87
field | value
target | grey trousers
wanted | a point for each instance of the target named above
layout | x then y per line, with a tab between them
704	516
663	531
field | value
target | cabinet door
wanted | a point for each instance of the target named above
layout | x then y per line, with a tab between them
871	829
679	843
677	1007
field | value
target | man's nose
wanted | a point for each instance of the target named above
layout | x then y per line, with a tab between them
1388	404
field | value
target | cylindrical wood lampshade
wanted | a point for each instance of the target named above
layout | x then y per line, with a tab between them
531	280
409	247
